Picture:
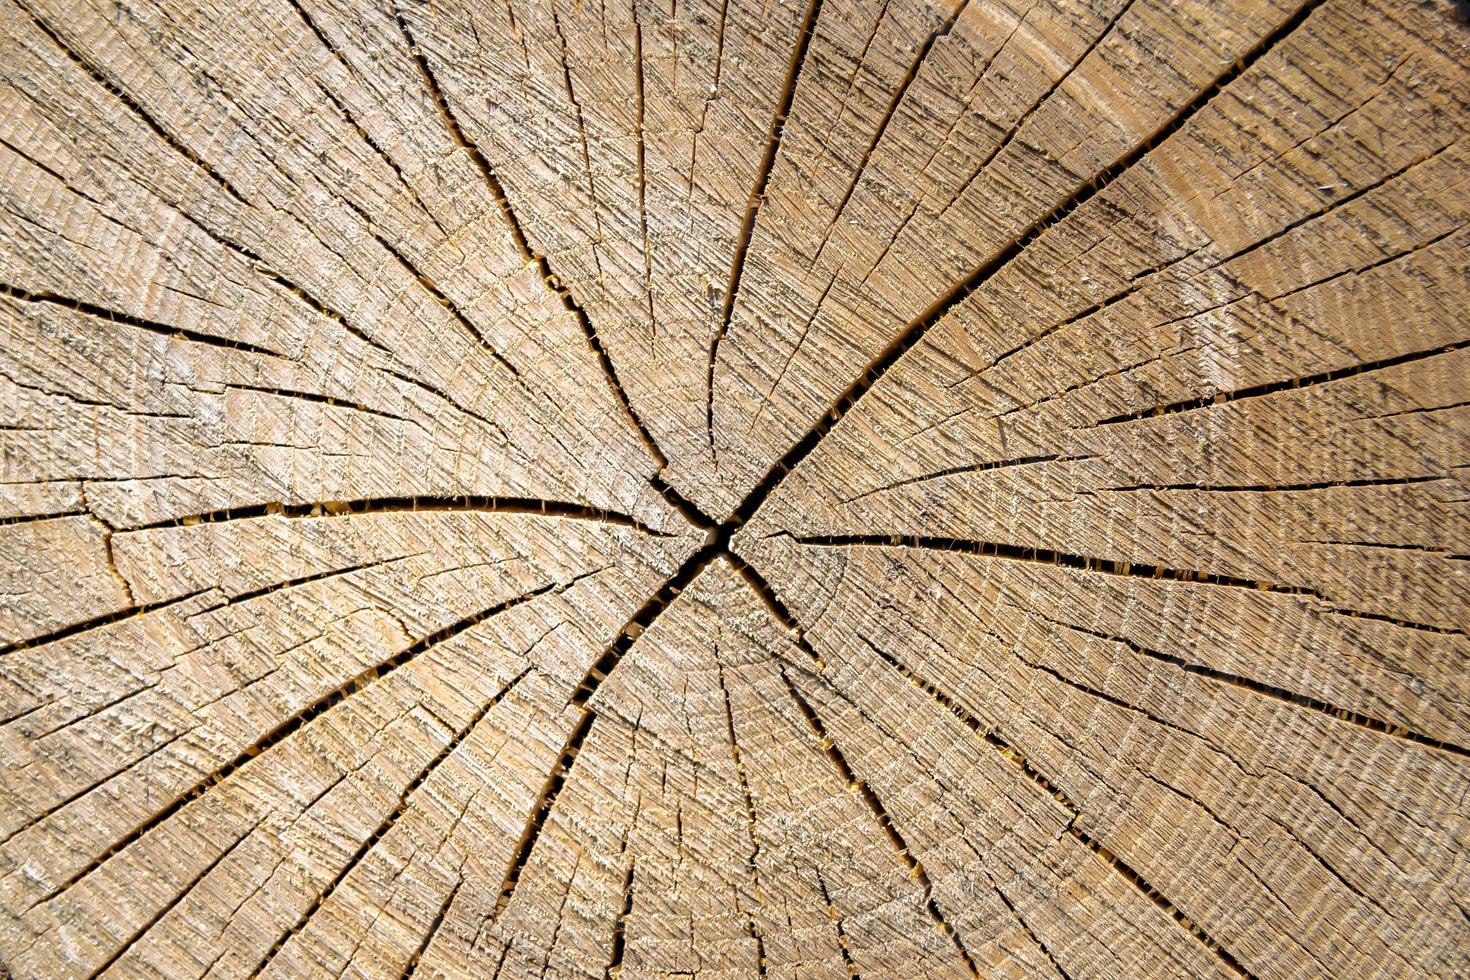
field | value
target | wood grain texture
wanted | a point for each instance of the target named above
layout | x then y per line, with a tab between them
790	489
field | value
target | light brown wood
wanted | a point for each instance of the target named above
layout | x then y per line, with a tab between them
801	488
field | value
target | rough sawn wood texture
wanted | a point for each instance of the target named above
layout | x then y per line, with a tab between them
734	488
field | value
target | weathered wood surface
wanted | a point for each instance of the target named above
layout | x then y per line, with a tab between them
811	488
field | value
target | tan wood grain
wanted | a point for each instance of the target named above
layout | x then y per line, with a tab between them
802	488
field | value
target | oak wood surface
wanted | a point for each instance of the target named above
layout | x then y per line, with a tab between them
787	488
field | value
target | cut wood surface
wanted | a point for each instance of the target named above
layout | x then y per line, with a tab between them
786	489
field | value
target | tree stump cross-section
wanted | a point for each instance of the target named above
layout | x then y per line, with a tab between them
802	488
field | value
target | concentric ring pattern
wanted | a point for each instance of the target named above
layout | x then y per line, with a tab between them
741	488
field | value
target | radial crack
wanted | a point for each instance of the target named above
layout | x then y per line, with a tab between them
1337	712
1289	384
170	905
1046	556
836	917
752	208
400	808
620	925
97	622
452	308
551	281
1025	117
151	326
1104	566
642	176
581	698
536	820
888	115
439	917
137	110
880	815
1017	759
905	340
967	468
750	819
466	503
289	726
1030	933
